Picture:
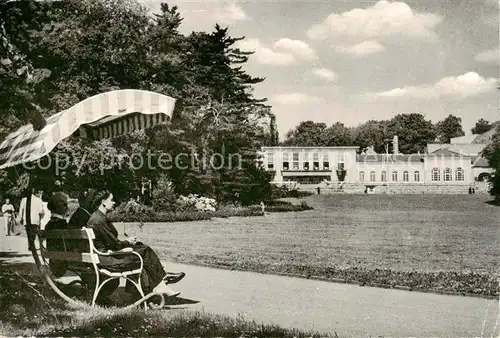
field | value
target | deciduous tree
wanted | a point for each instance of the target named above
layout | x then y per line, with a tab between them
413	131
481	127
449	128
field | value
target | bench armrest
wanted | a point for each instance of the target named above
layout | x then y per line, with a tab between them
129	249
124	251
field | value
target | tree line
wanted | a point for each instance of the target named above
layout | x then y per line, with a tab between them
413	130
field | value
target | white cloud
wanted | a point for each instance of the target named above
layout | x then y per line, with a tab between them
492	55
363	48
265	55
325	74
230	13
492	2
384	19
456	87
295	98
297	47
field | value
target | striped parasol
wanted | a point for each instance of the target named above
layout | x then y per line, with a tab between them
107	114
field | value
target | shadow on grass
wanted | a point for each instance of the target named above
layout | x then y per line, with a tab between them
495	203
180	301
9	254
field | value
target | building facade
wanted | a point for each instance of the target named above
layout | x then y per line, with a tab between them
454	164
311	165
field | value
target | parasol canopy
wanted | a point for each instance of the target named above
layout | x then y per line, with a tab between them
103	115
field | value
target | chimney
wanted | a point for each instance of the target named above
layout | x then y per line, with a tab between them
395	145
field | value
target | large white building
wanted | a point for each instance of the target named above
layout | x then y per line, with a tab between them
455	164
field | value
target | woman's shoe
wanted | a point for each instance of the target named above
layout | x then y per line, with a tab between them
172	278
164	289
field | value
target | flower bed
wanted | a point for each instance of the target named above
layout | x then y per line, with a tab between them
127	212
286	207
448	282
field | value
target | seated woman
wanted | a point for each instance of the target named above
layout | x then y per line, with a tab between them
58	206
154	278
81	216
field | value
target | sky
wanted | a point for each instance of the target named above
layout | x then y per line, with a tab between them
350	61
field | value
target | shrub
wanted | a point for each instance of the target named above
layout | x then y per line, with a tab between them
133	212
198	203
164	198
288	207
284	191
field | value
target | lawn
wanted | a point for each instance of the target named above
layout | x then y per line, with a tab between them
397	233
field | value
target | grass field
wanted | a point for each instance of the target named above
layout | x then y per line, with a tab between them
398	232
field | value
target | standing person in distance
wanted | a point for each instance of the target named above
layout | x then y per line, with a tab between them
8	215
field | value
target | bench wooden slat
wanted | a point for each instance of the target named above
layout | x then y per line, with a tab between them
124	262
87	258
64	233
110	261
70	256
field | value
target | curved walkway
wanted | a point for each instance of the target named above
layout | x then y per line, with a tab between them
349	310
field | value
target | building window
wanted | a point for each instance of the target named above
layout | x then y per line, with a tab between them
295	160
405	176
286	164
417	176
383	176
306	161
361	176
326	162
435	174
372	176
270	161
394	176
447	174
315	161
459	174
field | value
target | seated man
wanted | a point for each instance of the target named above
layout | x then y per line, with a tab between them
154	277
58	206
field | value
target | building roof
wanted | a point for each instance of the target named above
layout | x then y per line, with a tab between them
446	152
27	144
393	158
283	148
485	138
463	139
465	149
481	162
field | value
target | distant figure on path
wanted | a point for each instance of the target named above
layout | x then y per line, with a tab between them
8	215
262	207
319	190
